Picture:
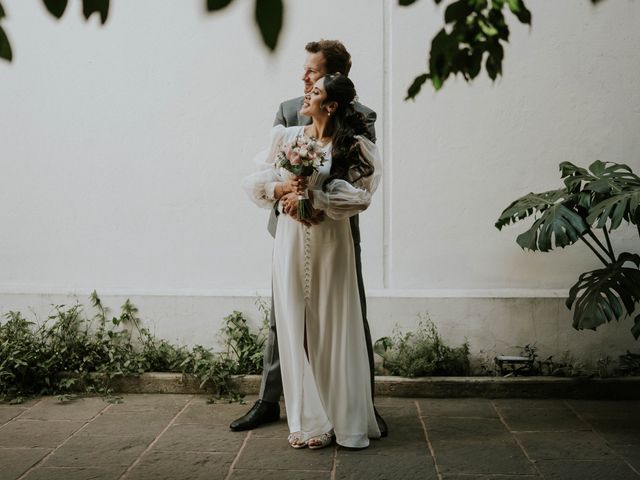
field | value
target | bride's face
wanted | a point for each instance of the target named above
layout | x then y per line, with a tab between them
312	104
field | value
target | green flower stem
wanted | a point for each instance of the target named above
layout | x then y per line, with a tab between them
304	206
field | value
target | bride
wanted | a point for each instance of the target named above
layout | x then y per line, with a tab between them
323	355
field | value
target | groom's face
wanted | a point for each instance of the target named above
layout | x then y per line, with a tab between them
314	70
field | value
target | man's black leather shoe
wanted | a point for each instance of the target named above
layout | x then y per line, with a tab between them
382	425
262	412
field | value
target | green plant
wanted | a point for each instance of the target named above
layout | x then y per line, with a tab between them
629	364
422	353
595	199
243	354
71	351
244	347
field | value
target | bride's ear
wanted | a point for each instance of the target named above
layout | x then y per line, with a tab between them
331	107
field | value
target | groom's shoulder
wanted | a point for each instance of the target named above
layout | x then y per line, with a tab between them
363	109
291	103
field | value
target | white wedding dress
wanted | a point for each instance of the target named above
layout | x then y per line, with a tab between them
315	287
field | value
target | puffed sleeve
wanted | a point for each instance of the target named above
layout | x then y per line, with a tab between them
343	199
261	184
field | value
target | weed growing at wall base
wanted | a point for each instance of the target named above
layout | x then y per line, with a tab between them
422	353
65	352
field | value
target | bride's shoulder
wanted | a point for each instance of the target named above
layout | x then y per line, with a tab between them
286	132
280	133
362	140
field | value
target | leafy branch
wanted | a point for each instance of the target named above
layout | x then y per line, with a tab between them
473	37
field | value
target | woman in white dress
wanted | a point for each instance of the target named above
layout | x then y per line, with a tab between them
323	355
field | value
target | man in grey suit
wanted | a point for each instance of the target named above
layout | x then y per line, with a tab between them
323	57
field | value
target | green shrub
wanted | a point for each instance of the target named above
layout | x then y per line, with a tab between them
59	355
422	353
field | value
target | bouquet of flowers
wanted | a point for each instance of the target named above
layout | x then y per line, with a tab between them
302	157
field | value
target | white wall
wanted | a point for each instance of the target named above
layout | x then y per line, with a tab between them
123	148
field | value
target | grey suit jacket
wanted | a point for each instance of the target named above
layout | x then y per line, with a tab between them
289	116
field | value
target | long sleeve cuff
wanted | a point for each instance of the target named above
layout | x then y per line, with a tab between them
320	200
270	190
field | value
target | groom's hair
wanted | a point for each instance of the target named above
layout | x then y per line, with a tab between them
337	58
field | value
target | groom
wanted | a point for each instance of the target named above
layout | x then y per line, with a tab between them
323	57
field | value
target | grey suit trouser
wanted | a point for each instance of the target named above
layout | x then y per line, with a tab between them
271	386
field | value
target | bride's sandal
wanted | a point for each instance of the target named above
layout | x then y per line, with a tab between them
296	440
321	441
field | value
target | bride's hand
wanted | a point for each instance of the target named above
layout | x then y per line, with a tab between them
300	184
289	204
293	184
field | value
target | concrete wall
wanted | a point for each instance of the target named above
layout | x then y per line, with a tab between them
123	148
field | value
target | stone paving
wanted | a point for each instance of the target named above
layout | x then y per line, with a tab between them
156	436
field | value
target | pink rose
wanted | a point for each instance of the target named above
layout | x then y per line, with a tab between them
290	153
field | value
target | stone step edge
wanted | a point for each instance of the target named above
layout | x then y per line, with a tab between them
436	387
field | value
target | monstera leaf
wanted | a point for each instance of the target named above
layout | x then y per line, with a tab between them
530	204
604	178
621	206
603	295
558	225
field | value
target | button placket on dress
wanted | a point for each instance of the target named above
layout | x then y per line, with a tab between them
307	262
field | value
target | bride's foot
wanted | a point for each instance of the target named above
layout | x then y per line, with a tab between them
296	440
321	441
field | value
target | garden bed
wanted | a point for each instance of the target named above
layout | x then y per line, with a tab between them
615	388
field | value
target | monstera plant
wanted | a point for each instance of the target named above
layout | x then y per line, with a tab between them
592	204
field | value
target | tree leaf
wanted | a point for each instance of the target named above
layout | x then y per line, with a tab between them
268	16
213	5
89	7
458	11
443	47
5	46
519	9
415	87
2	14
475	64
497	20
599	295
56	7
405	3
494	60
488	29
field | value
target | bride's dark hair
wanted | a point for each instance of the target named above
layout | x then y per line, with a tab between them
347	163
